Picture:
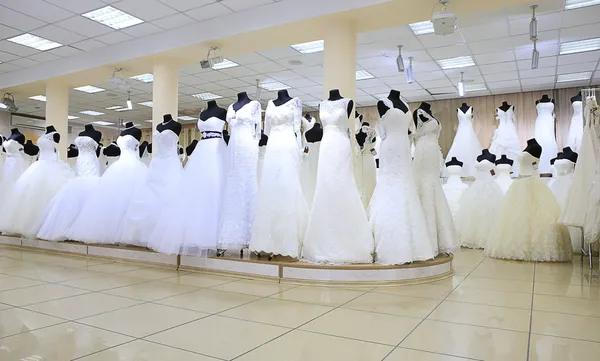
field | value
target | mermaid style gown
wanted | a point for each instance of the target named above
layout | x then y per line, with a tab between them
576	127
365	170
544	134
466	146
14	165
506	140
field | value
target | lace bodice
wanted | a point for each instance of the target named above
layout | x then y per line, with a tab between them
483	170
545	109
577	108
334	114
212	124
166	143
87	162
284	116
465	119
246	118
394	120
564	166
129	146
429	129
529	164
47	147
307	124
13	148
505	117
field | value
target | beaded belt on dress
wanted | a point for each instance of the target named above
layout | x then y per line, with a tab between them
210	135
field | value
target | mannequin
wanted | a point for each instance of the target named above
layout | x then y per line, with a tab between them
135	132
503	170
213	110
282	98
568	154
464	107
168	123
576	98
243	99
504	160
149	148
17	136
358	116
31	149
545	99
505	106
361	136
486	155
226	136
454	162
334	94
72	151
89	131
533	148
190	148
426	107
454	186
263	139
56	136
112	150
143	147
394	97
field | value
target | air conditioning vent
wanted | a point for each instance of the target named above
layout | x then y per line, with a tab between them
19	120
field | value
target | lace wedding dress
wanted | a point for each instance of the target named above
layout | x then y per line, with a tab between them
14	166
338	230
526	228
365	171
503	178
506	140
310	162
281	211
591	225
241	185
396	216
544	134
466	146
575	136
560	186
426	167
454	189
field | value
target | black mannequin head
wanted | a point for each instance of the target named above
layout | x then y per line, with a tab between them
569	154
213	110
504	160
149	147
166	118
130	129
190	148
242	96
545	98
334	94
243	99
72	151
169	123
112	150
486	155
263	139
559	154
533	148
426	107
394	97
226	136
143	147
464	107
211	104
454	161
50	129
89	131
315	134
505	106
282	97
17	136
30	149
307	116
576	98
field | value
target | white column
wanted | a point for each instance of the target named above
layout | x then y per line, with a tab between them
57	112
165	91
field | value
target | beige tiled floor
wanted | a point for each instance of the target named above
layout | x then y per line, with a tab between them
59	308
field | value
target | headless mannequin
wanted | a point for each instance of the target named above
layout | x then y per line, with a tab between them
454	167
464	108
394	97
553	160
133	131
545	99
190	148
454	161
361	136
213	110
149	148
569	154
334	94
72	151
17	136
242	100
503	170
504	160
533	148
486	155
31	149
226	136
167	123
505	106
263	139
282	98
426	107
576	98
143	147
112	150
89	131
315	134
56	136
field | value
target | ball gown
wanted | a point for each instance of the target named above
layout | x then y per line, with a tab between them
241	185
396	217
503	178
454	189
338	230
479	207
527	228
426	167
466	146
189	222
102	216
14	166
506	140
23	211
66	205
544	134
281	211
365	170
575	136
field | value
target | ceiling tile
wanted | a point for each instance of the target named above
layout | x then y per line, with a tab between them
544	37
550	21
141	30
580	32
8	32
16	20
384	71
546	50
191	80
213	76
493	58
511	75
279	53
576	17
301	82
84	26
368	50
147	10
284	75
446	52
208	11
60	35
433	41
16	49
6	57
498	68
507	84
487	46
402	31
89	44
573	84
537	81
39	9
444	90
238	71
579	58
183	5
376	62
266	67
542	63
537	73
238	5
576	68
536	87
6	67
435	83
44	57
24	62
247	59
490	30
65	51
306	60
425	66
233	83
173	21
114	37
79	6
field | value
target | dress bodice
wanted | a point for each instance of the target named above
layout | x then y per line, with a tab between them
47	147
334	115
13	148
577	108
454	180
529	164
545	109
465	119
247	117
284	116
166	143
307	124
87	163
564	166
212	124
427	130
506	117
395	120
129	146
483	170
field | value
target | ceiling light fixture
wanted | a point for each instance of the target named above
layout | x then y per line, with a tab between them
363	75
535	56
564	78
114	107
186	117
147	104
34	42
129	105
576	4
399	61
207	96
423	27
475	87
455	63
272	85
102	122
91	112
533	31
8	102
312	103
144	78
224	64
71	117
309	47
89	89
409	71
123	109
580	46
112	17
41	98
461	85
118	80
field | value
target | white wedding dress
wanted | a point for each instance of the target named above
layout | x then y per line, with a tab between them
310	164
506	140
560	186
503	178
575	136
23	211
102	216
454	188
281	211
241	185
466	146
14	166
365	170
338	230
189	222
544	134
396	216
479	207
591	224
66	205
426	166
526	228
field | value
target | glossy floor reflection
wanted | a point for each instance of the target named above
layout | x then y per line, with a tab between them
58	308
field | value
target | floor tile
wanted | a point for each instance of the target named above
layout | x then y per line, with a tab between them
76	307
220	337
104	282
576	306
151	291
82	262
6	262
16	320
115	267
482	315
36	294
254	287
544	348
587	278
498	284
4	306
326	296
506	270
301	346
10	283
49	273
142	320
437	292
200	280
468	341
395	305
567	290
564	325
208	300
139	350
63	342
404	354
153	273
491	297
361	325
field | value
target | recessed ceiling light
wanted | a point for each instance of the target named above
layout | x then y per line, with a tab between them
102	122
580	46
576	4
89	89
91	112
564	78
41	98
71	117
363	75
423	27
475	87
35	42
147	104
224	65
114	107
458	62
309	47
207	96
144	78
272	85
112	17
185	117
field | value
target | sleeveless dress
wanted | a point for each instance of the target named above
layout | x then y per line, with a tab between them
526	228
576	127
479	207
189	221
310	163
591	224
454	188
23	212
426	168
466	146
365	171
241	185
544	134
503	178
14	166
68	202
281	211
338	230
160	186
101	219
396	216
560	186
506	140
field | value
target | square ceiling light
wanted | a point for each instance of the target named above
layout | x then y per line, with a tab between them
458	62
144	78
272	85
576	4
89	89
423	27
147	104
186	117
113	18
309	47
224	65
35	42
114	107
41	98
71	117
580	46
91	112
207	96
564	78
102	122
475	87
363	75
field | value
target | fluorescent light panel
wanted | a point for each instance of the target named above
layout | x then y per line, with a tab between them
272	85
123	109
41	98
363	75
580	46
102	122
71	117
458	62
225	64
147	104
576	4
475	87
423	27
34	42
207	96
89	89
112	17
185	117
144	78
564	78
91	112
309	47
114	107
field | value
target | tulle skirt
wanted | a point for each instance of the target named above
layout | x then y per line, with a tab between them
453	196
12	170
479	208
